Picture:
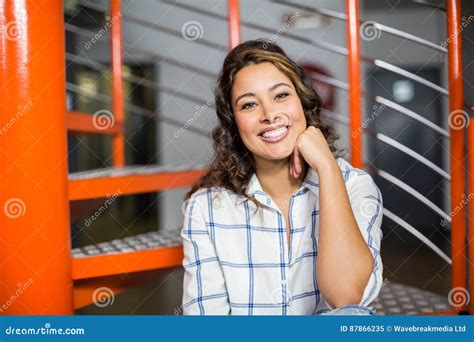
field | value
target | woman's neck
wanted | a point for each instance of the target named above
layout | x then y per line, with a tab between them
275	177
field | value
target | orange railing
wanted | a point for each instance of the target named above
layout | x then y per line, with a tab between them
117	96
353	45
456	150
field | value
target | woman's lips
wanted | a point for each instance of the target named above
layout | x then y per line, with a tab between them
275	139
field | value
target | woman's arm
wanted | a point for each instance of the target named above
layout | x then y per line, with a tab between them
344	261
349	264
204	289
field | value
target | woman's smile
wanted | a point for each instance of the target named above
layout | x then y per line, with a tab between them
274	135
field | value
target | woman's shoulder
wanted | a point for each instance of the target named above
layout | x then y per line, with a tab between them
349	172
215	199
357	180
210	191
212	196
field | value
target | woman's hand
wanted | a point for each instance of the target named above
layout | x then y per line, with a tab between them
312	147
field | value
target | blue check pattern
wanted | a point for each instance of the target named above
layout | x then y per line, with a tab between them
238	260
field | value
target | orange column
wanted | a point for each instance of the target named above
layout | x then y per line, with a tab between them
456	105
234	23
118	153
353	45
35	262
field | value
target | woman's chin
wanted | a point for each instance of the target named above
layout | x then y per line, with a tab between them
283	151
280	155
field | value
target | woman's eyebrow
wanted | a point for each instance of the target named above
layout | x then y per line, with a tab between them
243	95
273	87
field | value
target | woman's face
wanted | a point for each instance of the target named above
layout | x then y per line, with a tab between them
267	110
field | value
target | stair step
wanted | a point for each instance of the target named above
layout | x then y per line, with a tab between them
130	170
400	299
137	253
130	244
133	179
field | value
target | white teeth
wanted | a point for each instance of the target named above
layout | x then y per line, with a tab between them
274	133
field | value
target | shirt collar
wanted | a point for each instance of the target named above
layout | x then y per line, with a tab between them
311	182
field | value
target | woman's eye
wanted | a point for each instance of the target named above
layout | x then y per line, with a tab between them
248	105
281	96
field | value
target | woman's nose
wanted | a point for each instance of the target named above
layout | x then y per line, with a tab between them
270	113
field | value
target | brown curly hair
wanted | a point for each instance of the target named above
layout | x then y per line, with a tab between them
233	164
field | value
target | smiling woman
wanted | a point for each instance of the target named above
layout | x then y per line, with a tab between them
316	243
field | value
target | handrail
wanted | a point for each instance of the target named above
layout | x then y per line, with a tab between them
323	45
151	25
393	143
415	155
136	80
412	191
406	35
402	223
379	26
386	102
408	112
322	11
89	34
402	72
